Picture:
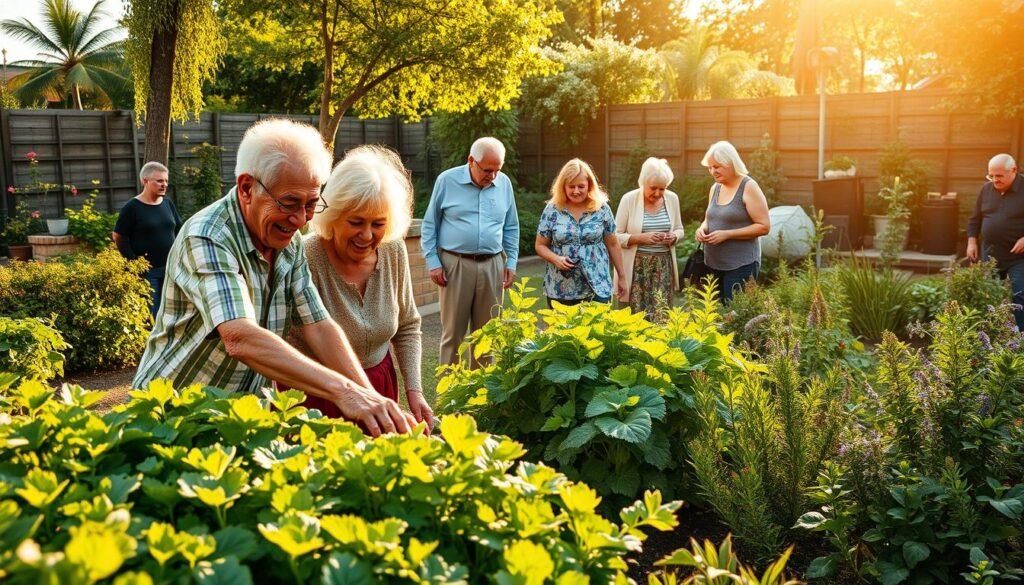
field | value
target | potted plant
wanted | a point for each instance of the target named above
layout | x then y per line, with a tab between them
17	230
891	233
840	166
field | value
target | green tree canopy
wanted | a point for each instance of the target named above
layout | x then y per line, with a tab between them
594	74
404	57
74	56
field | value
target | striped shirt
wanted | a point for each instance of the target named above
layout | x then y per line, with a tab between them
214	275
656	222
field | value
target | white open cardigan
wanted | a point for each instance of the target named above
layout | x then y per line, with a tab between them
629	220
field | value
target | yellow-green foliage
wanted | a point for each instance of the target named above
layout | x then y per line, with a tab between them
100	305
31	348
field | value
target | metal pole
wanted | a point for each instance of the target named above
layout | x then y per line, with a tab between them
821	119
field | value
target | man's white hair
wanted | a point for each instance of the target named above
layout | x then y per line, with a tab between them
269	145
151	167
1002	160
487	145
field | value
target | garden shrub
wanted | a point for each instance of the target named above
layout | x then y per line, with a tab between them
99	304
92	227
193	485
452	134
879	300
927	478
31	348
976	286
765	170
628	173
604	393
761	440
199	185
711	566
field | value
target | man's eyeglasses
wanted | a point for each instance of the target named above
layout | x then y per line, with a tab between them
294	206
490	172
994	177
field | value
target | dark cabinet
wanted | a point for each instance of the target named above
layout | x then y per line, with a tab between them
842	201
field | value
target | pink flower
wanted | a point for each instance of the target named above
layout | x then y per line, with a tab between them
74	190
31	155
36	214
10	188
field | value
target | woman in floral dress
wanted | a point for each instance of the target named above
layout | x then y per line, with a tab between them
576	237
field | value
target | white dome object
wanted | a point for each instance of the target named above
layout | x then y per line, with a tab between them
797	231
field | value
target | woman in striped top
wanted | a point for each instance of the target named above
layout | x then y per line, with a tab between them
649	225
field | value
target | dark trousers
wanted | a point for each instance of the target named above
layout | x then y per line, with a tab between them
729	281
1016	275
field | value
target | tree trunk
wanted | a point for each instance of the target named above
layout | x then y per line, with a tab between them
161	84
76	97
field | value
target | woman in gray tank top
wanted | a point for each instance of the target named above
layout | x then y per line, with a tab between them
736	218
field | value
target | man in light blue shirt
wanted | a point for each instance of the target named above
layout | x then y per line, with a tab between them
470	239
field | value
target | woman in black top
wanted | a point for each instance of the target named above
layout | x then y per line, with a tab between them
147	226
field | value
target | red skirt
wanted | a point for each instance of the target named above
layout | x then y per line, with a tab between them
382	377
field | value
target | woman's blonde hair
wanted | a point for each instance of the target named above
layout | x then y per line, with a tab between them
595	195
725	154
370	179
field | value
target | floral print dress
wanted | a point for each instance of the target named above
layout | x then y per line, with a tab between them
582	241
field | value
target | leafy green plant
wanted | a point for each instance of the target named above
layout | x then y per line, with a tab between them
837	519
765	170
21	225
628	172
978	286
452	134
201	183
878	300
721	566
762	440
932	460
893	240
99	304
91	226
896	160
31	348
604	393
192	484
840	162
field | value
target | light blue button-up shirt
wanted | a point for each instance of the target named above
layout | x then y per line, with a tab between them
462	217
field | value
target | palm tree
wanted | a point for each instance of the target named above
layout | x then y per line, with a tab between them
73	57
698	68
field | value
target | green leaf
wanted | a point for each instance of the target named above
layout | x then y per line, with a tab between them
634	429
162	542
821	567
624	375
213	460
119	487
810	521
41	488
296	534
1010	508
607	401
292	498
650	400
562	371
98	549
236	541
225	571
459	431
211	491
658	450
529	561
345	569
579	436
915	552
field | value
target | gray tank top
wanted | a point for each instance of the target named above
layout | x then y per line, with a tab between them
730	254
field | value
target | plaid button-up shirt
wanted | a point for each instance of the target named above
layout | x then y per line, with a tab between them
214	275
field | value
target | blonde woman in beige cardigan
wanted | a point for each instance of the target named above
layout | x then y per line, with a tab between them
357	257
648	225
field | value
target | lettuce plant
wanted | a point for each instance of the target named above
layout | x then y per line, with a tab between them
193	485
603	393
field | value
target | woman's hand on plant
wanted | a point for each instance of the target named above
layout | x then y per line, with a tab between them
421	411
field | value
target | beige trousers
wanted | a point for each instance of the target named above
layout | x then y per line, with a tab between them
473	296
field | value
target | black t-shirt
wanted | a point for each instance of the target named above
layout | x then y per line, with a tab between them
148	230
999	219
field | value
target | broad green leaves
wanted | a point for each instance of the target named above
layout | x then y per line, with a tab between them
605	394
174	498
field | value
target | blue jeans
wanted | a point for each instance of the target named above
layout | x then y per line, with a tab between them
1016	275
156	285
731	280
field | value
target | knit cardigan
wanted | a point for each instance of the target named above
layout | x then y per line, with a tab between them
629	221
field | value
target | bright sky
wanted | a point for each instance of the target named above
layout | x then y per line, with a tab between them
33	10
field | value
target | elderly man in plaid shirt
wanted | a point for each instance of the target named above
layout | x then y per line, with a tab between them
237	280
